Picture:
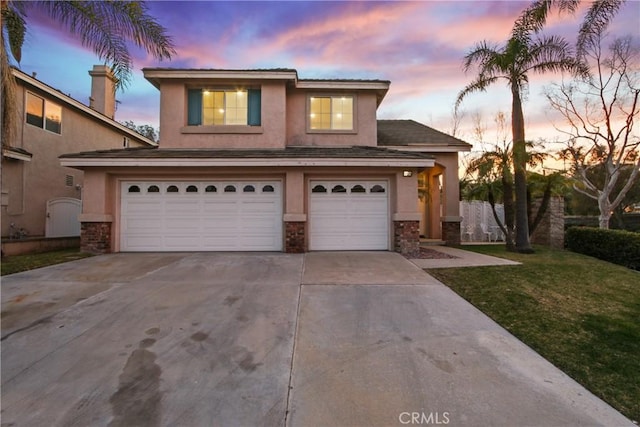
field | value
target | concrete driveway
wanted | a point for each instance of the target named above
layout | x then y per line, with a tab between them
241	339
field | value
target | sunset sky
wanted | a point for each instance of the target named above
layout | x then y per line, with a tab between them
417	45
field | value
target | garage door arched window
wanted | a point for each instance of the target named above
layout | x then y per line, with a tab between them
338	189
319	189
230	189
211	189
377	189
133	189
172	189
268	189
153	189
192	189
249	189
358	189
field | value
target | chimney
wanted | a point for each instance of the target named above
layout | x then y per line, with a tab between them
103	91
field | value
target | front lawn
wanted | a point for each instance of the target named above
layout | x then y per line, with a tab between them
18	263
580	313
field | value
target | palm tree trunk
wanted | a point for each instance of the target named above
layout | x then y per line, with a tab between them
507	188
520	173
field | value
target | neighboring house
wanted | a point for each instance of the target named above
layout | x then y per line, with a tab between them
262	160
39	196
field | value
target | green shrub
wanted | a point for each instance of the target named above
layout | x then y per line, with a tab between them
616	246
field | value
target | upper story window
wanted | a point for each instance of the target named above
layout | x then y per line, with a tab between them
331	113
43	114
219	107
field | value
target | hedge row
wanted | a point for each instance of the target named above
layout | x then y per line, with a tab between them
616	246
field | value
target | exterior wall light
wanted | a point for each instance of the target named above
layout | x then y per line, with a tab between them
407	173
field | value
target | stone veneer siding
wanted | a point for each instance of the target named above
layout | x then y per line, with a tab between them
550	231
451	233
406	237
95	237
294	237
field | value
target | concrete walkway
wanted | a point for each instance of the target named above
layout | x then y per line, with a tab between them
321	339
461	258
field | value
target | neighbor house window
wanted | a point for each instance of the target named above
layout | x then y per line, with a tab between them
218	107
43	114
331	113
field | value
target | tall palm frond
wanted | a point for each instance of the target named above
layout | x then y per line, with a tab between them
480	84
553	54
533	19
107	26
104	26
15	26
596	20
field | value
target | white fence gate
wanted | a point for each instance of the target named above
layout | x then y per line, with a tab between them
62	217
478	223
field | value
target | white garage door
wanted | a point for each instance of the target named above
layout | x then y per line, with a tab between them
201	216
349	215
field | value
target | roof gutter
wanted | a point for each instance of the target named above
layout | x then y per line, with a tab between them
80	163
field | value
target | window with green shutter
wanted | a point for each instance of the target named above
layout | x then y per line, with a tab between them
219	107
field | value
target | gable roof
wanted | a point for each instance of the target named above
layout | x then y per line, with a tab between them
410	134
156	75
79	106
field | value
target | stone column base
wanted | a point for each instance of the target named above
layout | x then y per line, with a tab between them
95	237
451	233
294	237
406	237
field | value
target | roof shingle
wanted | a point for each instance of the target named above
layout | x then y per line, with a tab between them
286	153
409	132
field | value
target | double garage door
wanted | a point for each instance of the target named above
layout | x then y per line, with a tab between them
247	215
201	216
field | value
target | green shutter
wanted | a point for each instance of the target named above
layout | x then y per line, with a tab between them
253	118
194	107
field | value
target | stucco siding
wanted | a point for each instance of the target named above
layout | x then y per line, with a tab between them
102	200
29	184
365	129
451	184
176	134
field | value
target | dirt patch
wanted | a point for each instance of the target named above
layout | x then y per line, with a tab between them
426	253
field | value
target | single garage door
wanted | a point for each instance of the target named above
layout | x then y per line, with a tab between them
201	216
349	215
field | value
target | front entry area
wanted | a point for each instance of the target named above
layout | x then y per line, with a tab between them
201	216
349	215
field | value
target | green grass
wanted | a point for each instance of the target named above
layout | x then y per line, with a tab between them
18	263
580	313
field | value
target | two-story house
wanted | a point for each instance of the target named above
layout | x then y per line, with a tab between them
39	196
261	160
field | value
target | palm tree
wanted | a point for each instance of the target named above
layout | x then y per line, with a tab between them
512	63
104	26
494	181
